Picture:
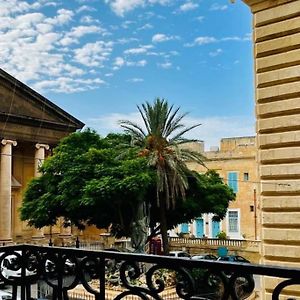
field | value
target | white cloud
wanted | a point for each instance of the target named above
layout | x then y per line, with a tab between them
216	52
165	65
212	130
93	54
119	62
85	8
216	6
139	63
145	27
77	32
64	16
31	48
135	80
88	20
188	6
200	18
140	50
121	7
161	2
160	37
68	85
201	40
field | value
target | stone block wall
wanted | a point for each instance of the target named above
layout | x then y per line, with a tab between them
276	36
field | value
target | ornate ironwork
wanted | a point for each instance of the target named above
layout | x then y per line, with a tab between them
59	270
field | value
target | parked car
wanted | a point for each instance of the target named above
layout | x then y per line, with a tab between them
180	254
205	256
10	267
234	258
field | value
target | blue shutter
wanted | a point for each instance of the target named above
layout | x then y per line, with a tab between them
185	228
232	181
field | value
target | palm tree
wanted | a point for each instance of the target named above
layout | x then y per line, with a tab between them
161	143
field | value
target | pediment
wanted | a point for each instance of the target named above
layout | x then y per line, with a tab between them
20	104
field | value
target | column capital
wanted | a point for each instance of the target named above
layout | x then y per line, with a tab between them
45	146
5	142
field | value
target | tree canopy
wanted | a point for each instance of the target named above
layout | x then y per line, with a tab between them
160	144
101	181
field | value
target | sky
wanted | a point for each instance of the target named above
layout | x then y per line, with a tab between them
99	59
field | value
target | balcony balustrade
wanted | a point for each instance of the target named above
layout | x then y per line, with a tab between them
57	271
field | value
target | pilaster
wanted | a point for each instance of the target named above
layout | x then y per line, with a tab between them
5	191
277	64
39	157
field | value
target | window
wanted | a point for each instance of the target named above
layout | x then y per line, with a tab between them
233	181
251	207
233	218
246	176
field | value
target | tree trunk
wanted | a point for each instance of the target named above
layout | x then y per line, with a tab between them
139	231
163	227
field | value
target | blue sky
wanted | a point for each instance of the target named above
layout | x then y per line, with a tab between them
98	59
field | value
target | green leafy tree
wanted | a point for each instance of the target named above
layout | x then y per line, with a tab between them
161	143
91	180
87	182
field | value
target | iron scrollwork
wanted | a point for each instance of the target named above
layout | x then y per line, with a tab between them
60	270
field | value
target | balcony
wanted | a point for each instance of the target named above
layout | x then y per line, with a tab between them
63	273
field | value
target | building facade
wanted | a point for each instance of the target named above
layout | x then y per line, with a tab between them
235	161
276	38
30	126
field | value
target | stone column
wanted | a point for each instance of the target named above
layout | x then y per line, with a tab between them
5	191
39	157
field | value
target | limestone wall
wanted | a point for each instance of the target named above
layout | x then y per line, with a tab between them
277	63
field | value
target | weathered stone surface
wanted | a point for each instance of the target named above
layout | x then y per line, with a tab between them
281	203
280	107
279	155
285	219
277	29
282	123
282	91
281	234
278	10
274	140
280	171
278	61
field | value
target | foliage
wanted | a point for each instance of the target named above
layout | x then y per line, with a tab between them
161	144
86	181
222	235
207	193
102	181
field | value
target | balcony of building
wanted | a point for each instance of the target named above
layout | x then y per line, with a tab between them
42	272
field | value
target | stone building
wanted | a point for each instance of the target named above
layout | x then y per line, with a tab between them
276	37
235	161
30	126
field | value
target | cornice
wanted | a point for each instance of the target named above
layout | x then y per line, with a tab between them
27	92
259	5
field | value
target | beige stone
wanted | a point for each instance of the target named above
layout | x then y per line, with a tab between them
281	203
276	12
279	76
273	139
277	45
280	171
279	155
282	91
277	61
277	108
282	123
280	187
277	29
281	234
281	219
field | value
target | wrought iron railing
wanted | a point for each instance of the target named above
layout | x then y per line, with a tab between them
57	271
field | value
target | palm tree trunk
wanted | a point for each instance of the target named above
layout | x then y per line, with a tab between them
163	227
